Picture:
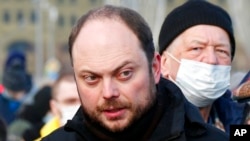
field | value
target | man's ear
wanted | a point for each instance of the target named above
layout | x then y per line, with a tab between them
54	108
164	65
156	66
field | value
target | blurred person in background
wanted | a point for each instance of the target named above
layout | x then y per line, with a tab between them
197	46
16	86
64	103
236	78
18	60
31	117
241	93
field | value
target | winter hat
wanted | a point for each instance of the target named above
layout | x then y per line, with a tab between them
15	77
15	80
15	59
191	13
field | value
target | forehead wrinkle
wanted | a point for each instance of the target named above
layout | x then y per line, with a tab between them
199	41
204	34
110	66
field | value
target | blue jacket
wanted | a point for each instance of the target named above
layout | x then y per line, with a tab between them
8	108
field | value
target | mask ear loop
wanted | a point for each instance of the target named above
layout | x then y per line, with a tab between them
170	55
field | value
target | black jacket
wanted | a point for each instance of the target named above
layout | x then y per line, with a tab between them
172	118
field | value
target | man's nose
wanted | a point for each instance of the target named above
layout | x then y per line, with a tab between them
211	57
109	89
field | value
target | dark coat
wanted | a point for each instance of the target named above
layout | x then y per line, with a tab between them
179	121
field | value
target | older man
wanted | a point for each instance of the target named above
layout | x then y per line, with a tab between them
197	46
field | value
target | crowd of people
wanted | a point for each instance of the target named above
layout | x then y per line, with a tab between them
121	88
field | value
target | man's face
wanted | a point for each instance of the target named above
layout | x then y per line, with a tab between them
203	43
66	101
16	95
112	74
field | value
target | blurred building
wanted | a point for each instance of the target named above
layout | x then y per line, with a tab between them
41	27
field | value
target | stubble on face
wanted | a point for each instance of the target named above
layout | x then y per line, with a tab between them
133	96
119	124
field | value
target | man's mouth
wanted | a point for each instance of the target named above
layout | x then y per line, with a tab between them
114	113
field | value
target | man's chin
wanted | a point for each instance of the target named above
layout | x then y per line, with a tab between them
115	125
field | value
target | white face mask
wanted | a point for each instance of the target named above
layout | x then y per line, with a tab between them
68	112
202	83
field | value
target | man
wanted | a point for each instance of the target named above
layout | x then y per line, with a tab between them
29	119
64	103
122	96
197	45
15	84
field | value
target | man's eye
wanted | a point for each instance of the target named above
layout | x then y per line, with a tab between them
196	48
125	75
91	79
222	51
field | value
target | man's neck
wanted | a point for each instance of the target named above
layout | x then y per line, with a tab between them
205	111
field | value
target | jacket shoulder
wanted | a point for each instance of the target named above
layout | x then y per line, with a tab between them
216	134
212	134
61	135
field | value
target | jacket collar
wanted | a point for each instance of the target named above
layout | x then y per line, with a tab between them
179	116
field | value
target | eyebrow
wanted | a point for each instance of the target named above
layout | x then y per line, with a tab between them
124	64
205	42
198	41
113	71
